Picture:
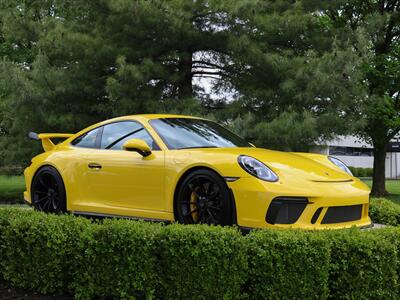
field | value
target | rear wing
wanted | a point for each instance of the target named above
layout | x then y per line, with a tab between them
47	144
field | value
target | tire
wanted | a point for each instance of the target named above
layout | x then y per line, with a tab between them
48	191
204	198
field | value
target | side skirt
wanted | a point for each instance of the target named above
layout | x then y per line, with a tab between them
103	216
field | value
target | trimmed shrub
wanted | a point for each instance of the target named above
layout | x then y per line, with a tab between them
393	236
40	252
119	261
11	198
363	266
361	172
384	211
287	264
11	170
201	262
353	170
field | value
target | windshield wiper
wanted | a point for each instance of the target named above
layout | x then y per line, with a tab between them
197	147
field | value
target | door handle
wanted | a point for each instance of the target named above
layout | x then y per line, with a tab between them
94	166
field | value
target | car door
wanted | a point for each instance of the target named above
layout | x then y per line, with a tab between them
124	182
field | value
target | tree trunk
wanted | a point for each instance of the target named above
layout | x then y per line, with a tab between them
378	185
185	87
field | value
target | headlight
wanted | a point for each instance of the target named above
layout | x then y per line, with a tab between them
257	168
340	164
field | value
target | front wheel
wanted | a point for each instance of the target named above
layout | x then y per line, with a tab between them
204	198
48	191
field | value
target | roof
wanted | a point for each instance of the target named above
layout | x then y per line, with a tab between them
146	117
141	117
159	116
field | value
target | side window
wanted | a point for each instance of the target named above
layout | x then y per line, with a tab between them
116	134
87	140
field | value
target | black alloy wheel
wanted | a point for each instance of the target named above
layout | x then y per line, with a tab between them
48	191
204	198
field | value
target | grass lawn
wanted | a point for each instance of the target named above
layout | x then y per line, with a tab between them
392	186
11	188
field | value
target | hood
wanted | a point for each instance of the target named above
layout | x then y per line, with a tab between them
287	165
290	164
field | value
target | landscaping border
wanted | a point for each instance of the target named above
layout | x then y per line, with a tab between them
134	259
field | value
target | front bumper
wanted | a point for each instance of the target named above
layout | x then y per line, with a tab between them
306	205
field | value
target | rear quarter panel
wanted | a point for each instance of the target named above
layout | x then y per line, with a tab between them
67	161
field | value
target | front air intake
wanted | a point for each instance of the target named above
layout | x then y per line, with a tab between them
339	214
285	210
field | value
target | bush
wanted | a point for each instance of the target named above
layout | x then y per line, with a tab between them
384	211
40	252
119	260
287	265
353	170
393	236
201	262
11	170
123	259
361	172
363	266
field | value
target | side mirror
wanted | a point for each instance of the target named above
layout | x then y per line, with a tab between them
138	146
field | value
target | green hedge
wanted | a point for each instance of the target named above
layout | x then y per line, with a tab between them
201	262
40	252
287	265
124	259
11	170
363	266
384	211
118	260
362	172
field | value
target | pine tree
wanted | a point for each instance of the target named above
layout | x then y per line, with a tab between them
297	81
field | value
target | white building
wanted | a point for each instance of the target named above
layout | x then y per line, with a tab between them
356	153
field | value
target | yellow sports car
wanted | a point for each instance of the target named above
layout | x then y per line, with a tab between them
190	170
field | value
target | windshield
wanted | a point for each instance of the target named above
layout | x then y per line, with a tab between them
185	133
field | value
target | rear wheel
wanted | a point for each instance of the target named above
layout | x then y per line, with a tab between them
204	198
48	191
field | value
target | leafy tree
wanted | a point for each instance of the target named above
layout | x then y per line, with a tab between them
342	74
373	28
295	73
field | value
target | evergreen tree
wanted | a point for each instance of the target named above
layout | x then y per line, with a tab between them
298	70
296	80
91	60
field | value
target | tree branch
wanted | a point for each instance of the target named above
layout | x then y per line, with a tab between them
208	73
205	76
208	64
204	67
